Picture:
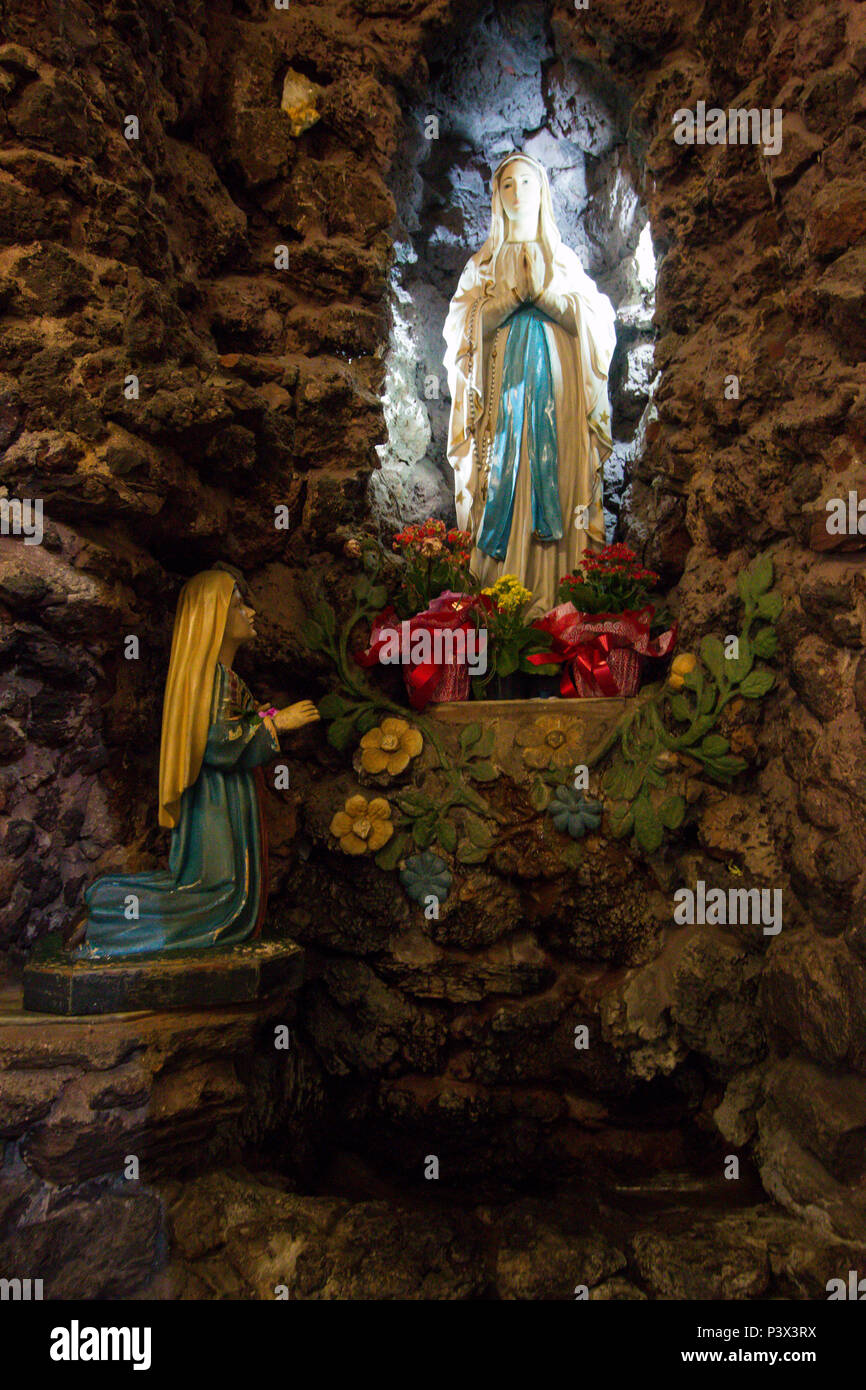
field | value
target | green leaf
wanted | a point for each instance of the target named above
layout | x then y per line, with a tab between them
540	795
714	745
479	833
572	855
340	733
770	606
471	854
423	830
708	697
621	819
446	833
613	781
331	706
680	709
765	642
724	769
377	597
757	683
762	575
470	734
484	746
390	855
506	664
362	589
313	635
648	828
483	772
738	667
324	615
672	811
713	657
413	803
366	720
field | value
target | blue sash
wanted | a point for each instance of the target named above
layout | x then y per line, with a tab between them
527	383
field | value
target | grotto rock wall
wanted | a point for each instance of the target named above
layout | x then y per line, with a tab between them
260	387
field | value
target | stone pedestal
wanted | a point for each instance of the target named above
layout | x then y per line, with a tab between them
55	983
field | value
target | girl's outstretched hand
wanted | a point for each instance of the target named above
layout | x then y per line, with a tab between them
296	716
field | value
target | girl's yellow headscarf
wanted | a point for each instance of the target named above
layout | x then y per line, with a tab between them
199	626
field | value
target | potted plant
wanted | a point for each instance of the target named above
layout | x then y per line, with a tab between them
510	641
435	560
601	631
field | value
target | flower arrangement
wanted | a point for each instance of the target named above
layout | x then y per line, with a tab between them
511	640
434	559
611	580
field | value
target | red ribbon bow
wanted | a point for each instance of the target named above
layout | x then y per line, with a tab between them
585	641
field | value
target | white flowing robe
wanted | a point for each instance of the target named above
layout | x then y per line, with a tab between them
580	337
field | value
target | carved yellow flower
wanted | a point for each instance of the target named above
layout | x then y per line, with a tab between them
390	747
553	741
680	668
363	825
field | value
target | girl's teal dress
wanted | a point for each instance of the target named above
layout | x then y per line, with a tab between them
215	886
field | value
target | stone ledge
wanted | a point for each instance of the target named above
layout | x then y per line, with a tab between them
54	984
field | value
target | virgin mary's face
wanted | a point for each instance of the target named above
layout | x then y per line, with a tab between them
240	620
520	191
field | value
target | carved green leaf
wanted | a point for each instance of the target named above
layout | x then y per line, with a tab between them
390	855
713	656
333	706
672	811
770	606
738	667
313	635
366	720
484	747
483	772
479	833
324	615
469	735
762	575
471	854
757	683
765	642
424	829
413	803
648	828
621	819
723	769
681	709
714	745
446	833
377	597
340	733
540	795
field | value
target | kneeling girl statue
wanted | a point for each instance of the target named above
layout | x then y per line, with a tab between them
529	340
214	742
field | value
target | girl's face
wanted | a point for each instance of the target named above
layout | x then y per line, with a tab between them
520	191
240	620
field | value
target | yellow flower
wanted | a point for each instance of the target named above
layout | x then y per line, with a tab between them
390	747
680	668
552	741
363	825
508	593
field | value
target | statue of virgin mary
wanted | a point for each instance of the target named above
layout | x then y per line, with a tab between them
529	340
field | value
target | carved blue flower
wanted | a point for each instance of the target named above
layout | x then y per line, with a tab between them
425	875
570	811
